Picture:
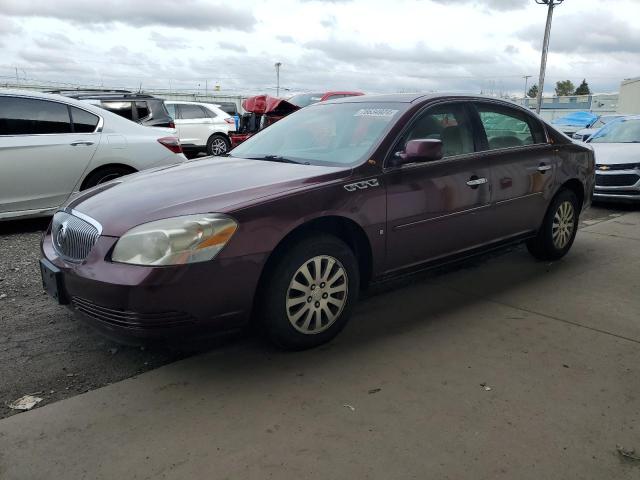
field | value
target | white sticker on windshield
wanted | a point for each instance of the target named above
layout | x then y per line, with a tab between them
375	112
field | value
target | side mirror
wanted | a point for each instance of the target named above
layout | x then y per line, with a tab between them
426	150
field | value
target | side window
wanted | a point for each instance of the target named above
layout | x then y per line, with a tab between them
507	128
142	109
191	111
83	121
124	109
28	116
171	108
448	123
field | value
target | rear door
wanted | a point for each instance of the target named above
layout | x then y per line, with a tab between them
441	207
193	123
42	153
523	165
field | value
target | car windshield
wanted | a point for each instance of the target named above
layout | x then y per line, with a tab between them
338	134
623	130
602	121
305	99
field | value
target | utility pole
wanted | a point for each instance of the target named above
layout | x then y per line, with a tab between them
278	65
526	82
545	47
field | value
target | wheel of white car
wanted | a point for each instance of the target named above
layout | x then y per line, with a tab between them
218	145
105	174
310	293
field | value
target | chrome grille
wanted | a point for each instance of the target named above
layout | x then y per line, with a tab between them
73	237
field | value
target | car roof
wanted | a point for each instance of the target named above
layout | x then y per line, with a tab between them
417	97
193	103
52	96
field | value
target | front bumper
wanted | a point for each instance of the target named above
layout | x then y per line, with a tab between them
132	303
621	184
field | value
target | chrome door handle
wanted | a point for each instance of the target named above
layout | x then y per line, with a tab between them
543	168
474	182
75	144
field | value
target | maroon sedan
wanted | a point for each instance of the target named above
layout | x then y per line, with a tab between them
290	226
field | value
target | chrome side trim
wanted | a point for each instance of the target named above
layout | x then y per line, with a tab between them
435	219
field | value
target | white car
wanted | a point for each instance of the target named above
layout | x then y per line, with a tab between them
202	126
53	146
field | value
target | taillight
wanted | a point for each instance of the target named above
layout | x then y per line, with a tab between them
172	143
230	120
172	124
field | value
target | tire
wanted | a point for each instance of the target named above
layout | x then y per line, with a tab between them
560	220
218	145
297	310
105	174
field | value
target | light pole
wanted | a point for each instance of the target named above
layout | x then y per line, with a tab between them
545	47
278	65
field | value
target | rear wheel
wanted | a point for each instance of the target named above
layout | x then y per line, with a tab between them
105	174
218	145
310	293
559	228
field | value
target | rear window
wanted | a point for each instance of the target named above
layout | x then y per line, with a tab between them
124	109
171	109
83	121
142	108
191	111
506	127
29	116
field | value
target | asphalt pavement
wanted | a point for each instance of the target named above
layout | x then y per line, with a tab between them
503	368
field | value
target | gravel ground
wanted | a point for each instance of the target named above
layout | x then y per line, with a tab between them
45	351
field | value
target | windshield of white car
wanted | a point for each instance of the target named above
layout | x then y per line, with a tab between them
334	134
623	130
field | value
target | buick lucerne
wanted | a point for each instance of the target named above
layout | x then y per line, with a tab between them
287	229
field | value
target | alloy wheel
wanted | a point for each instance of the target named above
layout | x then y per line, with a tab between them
317	294
218	146
563	225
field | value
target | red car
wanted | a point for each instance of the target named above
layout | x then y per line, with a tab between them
261	111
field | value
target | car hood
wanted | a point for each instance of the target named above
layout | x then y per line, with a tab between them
616	153
215	184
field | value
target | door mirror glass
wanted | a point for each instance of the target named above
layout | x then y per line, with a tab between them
420	150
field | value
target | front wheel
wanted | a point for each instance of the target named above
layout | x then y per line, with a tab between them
310	293
559	228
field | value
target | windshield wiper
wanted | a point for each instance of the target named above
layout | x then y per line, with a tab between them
278	158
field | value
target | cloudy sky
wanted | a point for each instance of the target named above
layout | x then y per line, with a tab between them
369	45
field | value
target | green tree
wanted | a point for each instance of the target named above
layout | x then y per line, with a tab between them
564	88
533	91
583	88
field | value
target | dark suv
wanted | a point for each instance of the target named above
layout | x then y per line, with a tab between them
138	107
290	225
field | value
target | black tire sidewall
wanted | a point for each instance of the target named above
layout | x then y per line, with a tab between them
214	137
94	178
542	246
274	314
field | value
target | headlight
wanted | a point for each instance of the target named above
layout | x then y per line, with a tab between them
175	241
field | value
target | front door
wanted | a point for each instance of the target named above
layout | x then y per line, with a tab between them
41	158
440	207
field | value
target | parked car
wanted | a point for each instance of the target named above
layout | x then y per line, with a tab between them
305	99
597	124
572	122
202	126
137	107
617	149
289	227
52	146
260	112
